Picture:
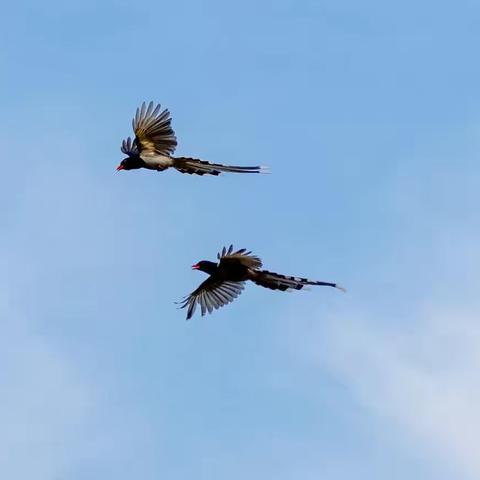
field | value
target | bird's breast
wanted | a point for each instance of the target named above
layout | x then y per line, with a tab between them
154	161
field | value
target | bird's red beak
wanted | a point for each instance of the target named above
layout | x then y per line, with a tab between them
195	267
120	167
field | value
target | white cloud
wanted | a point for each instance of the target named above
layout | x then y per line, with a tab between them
55	421
423	382
44	406
410	356
58	418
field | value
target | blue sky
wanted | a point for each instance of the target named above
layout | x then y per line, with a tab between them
368	115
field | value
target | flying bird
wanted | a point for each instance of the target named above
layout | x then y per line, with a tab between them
155	143
227	280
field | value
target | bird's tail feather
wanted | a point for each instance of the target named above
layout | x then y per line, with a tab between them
276	281
201	167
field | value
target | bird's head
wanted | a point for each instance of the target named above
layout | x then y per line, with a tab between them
130	163
205	266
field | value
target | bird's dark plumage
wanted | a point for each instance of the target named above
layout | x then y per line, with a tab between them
227	280
155	143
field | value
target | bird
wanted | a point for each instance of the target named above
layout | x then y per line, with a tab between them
227	279
155	143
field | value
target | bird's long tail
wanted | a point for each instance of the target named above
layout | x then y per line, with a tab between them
201	167
275	281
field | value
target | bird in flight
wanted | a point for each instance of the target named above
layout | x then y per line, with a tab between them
227	280
155	142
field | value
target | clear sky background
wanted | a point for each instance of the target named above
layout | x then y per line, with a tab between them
368	114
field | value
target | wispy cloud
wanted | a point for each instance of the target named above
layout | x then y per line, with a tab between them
45	404
60	417
415	371
424	383
409	354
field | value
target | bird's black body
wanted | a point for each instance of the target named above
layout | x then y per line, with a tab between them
227	278
233	271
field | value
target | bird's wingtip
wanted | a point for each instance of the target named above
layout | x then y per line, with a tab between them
344	290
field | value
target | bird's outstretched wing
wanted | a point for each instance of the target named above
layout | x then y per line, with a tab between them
153	130
128	147
242	256
211	294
